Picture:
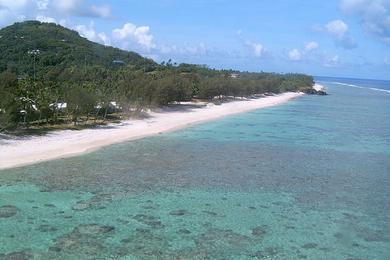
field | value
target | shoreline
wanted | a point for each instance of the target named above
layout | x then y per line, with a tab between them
67	143
318	87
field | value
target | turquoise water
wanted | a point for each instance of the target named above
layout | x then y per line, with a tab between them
306	180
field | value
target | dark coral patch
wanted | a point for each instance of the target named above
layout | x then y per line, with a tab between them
149	220
148	207
85	241
8	211
216	242
145	245
289	227
20	255
370	235
309	245
94	229
259	231
184	231
180	212
47	228
123	221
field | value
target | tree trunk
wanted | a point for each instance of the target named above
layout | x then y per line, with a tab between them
97	114
105	114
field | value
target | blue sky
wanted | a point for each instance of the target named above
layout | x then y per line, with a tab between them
349	38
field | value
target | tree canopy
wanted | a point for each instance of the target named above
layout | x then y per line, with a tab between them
49	74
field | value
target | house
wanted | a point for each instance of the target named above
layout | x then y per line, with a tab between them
119	62
59	105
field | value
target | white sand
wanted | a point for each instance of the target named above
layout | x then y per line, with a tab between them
318	87
61	144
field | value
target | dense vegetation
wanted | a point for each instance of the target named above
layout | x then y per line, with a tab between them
50	75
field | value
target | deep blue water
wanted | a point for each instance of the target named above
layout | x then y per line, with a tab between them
309	179
377	85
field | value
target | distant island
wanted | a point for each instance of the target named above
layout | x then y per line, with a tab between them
52	78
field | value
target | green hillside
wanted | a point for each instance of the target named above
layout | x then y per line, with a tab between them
56	48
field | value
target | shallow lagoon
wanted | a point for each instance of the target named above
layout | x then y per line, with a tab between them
305	180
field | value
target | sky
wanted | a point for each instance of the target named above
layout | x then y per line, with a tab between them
341	38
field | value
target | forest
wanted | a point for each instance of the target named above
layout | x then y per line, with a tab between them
49	75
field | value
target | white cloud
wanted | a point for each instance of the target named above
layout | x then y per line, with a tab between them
87	31
45	19
334	59
90	33
338	29
15	4
349	5
67	6
167	49
295	55
154	57
257	49
14	10
103	11
5	15
374	16
63	22
104	38
299	54
42	4
140	34
81	8
194	50
311	46
331	61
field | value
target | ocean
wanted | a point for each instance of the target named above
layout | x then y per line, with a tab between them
309	179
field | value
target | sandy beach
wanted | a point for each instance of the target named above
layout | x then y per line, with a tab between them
67	143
